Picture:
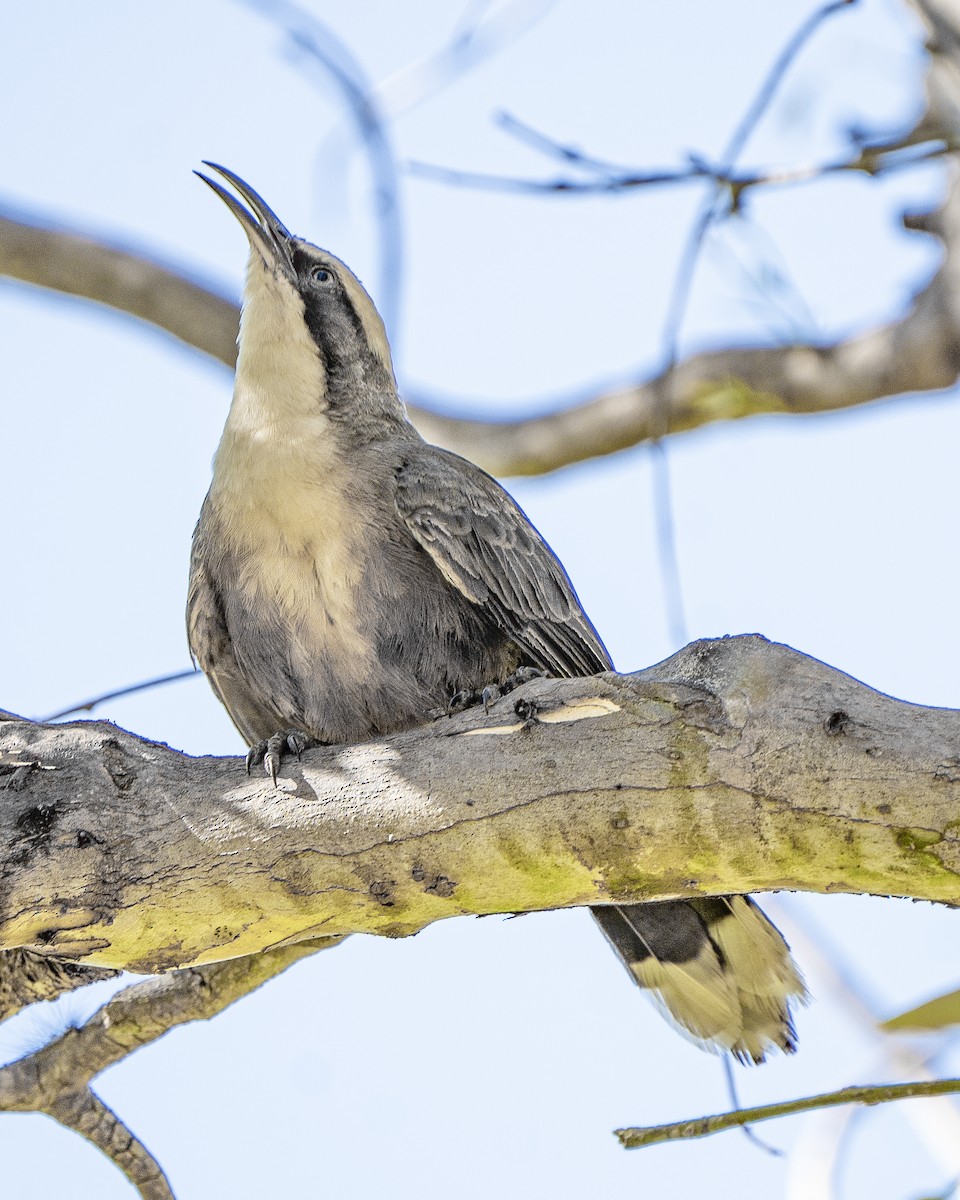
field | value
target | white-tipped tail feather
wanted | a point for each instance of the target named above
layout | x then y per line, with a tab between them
717	968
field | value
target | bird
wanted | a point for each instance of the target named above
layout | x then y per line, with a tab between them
348	579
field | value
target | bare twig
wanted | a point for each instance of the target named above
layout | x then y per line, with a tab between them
616	179
935	1123
620	182
782	64
547	145
95	701
880	158
711	209
650	1135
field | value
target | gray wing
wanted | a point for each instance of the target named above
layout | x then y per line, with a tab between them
485	546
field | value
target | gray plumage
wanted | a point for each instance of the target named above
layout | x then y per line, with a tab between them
348	579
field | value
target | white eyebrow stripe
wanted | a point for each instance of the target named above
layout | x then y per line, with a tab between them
370	320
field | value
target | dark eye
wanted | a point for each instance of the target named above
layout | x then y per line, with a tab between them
321	275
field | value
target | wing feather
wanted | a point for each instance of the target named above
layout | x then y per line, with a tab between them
484	545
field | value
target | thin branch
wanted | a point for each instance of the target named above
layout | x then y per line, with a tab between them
775	75
711	211
95	701
620	182
895	155
614	178
56	1079
475	39
547	145
85	1113
937	1127
650	1135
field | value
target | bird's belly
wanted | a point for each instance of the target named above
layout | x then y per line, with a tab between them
311	595
345	656
297	640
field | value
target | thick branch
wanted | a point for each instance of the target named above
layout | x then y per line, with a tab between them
918	353
737	765
66	261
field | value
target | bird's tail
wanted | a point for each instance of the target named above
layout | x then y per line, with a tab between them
716	968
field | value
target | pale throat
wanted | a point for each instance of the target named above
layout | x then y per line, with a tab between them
280	376
276	452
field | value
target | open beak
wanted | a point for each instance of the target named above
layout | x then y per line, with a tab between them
266	232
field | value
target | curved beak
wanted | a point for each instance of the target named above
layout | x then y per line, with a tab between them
265	231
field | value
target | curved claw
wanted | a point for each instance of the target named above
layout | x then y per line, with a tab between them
270	751
255	755
272	759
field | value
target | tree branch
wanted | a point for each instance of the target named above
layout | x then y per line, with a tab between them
735	766
917	353
26	977
85	1113
56	1079
67	261
651	1135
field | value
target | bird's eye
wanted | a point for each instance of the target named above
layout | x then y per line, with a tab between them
321	275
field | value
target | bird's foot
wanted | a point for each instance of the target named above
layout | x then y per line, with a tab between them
271	751
493	691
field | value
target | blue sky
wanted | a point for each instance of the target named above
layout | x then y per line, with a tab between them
482	1055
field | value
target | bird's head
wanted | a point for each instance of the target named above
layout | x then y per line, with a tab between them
310	336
